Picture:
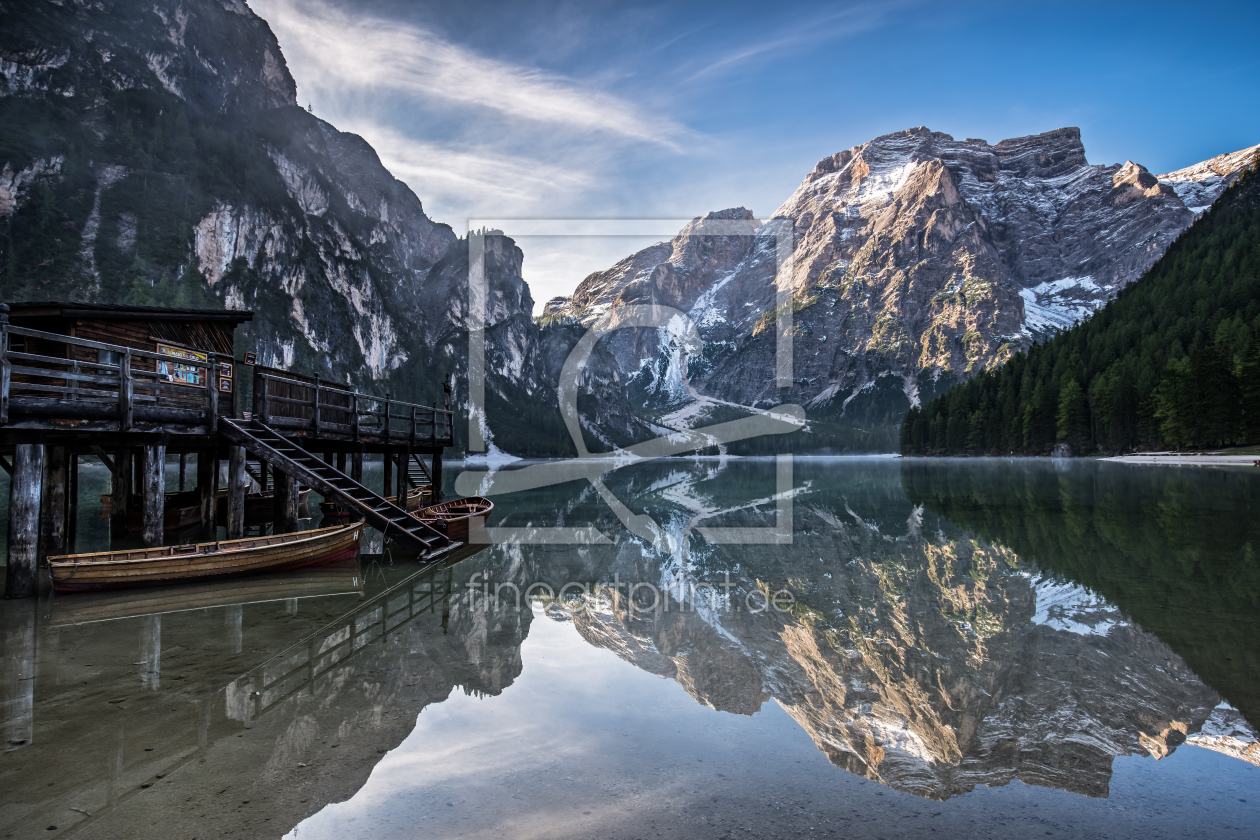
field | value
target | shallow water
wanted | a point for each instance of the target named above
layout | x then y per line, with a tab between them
957	648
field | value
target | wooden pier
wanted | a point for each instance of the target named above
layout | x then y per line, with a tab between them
133	386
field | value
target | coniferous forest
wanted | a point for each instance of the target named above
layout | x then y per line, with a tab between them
1172	362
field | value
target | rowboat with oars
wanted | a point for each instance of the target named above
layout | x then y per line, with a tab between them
455	517
416	498
200	561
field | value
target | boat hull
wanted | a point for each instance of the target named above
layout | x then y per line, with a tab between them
203	561
456	517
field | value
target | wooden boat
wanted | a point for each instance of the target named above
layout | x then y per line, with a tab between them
324	580
182	509
199	561
454	518
416	498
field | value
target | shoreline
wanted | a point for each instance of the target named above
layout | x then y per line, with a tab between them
1174	460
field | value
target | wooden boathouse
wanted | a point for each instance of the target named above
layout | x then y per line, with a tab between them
133	385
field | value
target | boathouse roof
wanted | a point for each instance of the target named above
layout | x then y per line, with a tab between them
114	311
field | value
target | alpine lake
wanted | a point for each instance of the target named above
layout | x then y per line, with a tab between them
701	648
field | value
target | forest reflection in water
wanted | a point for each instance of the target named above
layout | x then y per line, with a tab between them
956	624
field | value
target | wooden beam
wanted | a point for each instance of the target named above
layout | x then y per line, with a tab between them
435	475
24	499
121	494
53	503
286	502
208	484
105	459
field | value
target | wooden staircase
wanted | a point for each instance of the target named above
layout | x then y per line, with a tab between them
283	454
418	474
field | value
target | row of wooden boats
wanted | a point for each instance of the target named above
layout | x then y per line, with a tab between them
252	555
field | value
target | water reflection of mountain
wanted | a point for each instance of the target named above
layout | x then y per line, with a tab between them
143	722
1177	550
918	655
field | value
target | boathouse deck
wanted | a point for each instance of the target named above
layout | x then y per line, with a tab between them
132	385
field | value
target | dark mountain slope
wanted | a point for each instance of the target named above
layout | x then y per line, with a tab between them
1174	360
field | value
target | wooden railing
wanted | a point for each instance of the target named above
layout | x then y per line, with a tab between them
286	402
128	386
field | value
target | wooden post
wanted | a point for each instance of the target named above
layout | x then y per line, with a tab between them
212	399
72	503
354	413
183	470
341	462
121	493
388	464
19	675
6	367
260	399
126	392
208	484
286	502
237	481
315	404
53	503
436	473
385	420
402	480
24	498
153	494
356	466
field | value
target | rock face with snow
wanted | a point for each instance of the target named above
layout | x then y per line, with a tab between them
916	260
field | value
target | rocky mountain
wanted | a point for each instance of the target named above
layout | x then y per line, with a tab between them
154	153
916	259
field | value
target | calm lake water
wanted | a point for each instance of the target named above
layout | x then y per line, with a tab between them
828	648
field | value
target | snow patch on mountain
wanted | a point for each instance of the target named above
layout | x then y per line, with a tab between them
1050	307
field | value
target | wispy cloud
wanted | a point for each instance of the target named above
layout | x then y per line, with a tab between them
816	29
466	181
382	57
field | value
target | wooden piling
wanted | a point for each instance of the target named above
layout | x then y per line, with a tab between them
341	462
401	492
286	502
436	472
24	499
237	481
121	494
53	502
356	466
72	504
389	474
153	494
208	485
183	470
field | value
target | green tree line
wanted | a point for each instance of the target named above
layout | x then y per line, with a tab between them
1173	361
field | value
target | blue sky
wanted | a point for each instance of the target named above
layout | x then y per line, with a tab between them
669	110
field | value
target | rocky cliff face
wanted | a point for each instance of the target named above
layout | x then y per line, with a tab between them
154	153
916	260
